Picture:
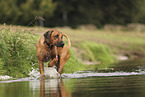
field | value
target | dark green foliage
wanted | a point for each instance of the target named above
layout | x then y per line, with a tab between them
9	11
72	12
24	11
17	52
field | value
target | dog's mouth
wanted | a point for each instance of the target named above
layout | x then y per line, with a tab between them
59	44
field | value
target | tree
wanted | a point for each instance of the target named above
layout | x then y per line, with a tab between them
33	8
9	11
72	12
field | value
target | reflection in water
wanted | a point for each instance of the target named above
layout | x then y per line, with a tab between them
121	86
51	88
42	88
128	80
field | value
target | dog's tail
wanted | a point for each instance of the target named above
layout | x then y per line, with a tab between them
68	40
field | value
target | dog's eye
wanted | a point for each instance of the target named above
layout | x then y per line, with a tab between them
56	36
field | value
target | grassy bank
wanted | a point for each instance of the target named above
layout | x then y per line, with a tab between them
99	53
18	52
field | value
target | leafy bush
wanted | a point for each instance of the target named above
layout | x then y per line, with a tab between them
17	52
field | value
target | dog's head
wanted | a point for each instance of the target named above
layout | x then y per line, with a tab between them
54	37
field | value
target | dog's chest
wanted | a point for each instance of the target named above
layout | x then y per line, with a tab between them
47	55
46	59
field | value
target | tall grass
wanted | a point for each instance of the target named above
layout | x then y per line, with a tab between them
100	53
17	52
2	71
73	64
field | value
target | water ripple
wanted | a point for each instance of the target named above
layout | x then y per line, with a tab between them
97	74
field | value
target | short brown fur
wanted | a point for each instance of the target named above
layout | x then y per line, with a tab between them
50	47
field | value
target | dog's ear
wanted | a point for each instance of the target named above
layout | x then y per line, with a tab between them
47	36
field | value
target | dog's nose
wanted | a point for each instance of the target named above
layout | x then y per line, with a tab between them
62	43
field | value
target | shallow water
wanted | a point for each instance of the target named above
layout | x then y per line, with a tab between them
124	80
123	86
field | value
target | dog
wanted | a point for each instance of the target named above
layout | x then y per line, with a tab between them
50	46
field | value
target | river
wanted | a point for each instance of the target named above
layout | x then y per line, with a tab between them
126	79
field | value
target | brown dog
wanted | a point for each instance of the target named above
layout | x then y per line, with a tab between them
51	47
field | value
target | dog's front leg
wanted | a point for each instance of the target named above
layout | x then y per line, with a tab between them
62	62
53	62
61	67
41	67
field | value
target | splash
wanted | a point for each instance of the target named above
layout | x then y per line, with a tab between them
82	74
51	73
34	74
6	77
48	72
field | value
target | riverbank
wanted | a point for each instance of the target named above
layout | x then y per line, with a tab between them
100	47
125	43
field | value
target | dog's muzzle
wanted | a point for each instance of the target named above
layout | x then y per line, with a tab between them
59	44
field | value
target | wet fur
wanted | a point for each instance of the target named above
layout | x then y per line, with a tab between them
49	48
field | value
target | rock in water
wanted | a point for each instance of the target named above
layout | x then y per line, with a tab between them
51	72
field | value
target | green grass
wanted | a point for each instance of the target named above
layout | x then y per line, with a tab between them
17	52
2	71
74	64
100	53
122	42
